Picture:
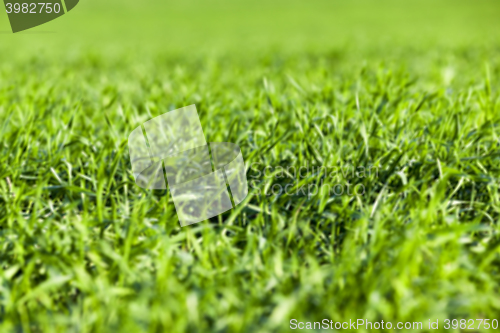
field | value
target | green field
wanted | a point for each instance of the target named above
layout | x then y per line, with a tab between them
408	90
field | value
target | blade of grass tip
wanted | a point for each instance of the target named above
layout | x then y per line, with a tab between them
57	176
9	184
379	197
293	227
438	162
487	79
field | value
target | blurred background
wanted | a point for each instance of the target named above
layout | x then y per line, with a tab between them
193	26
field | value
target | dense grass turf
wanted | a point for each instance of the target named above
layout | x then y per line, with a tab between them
83	249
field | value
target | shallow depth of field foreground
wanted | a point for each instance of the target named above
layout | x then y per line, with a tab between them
389	109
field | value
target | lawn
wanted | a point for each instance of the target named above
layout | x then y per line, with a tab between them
395	103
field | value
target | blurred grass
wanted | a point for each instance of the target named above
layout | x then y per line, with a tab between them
411	87
192	26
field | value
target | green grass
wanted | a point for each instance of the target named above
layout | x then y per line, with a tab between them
411	89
